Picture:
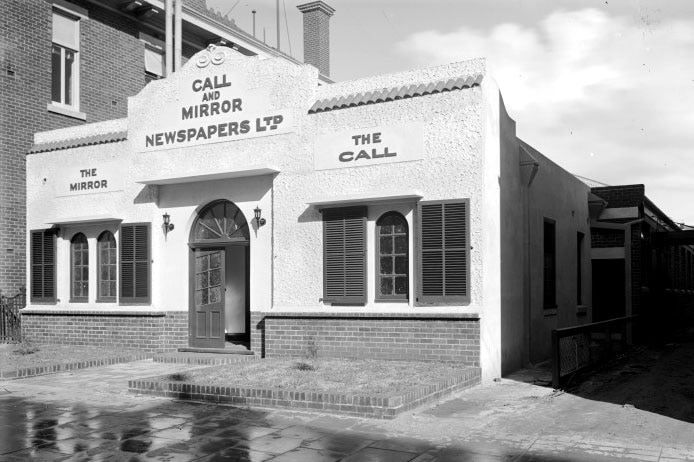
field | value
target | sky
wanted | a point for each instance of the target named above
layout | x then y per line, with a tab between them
604	88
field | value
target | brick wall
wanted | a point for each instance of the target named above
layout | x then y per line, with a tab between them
111	69
401	337
602	238
317	38
621	196
151	332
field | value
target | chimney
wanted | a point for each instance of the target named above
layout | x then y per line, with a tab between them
317	34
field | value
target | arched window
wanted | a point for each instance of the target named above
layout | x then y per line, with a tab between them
393	265
220	221
79	265
107	267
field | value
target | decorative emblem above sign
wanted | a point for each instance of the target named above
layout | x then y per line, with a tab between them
210	55
212	107
368	146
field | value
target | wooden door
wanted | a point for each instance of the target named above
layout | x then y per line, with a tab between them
207	304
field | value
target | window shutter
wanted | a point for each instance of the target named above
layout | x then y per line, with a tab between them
43	266
444	275
344	255
135	268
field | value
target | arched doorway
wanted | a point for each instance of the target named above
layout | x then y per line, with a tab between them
219	268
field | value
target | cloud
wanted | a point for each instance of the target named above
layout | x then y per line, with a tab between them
606	97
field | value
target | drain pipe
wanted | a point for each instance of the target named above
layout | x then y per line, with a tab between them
178	34
169	38
531	162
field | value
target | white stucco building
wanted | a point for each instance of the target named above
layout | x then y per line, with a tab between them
399	217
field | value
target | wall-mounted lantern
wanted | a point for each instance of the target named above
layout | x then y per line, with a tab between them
260	221
168	226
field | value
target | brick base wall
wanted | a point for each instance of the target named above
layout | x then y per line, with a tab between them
150	332
359	335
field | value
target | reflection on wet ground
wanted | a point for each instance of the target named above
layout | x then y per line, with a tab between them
178	431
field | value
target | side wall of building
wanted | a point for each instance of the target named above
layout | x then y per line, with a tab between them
556	196
512	213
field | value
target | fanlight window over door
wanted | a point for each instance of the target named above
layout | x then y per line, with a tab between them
220	221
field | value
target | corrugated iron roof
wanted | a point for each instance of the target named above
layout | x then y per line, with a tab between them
393	94
76	142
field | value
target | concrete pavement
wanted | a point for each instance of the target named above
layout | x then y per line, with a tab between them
89	415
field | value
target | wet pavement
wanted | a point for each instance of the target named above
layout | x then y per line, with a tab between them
89	415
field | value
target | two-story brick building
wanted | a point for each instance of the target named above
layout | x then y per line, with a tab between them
69	63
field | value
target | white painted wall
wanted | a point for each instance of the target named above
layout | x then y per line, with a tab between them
461	160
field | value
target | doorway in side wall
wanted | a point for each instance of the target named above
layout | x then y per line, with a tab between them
609	299
219	305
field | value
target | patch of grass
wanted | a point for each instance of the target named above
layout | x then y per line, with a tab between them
302	366
331	375
25	348
27	355
178	377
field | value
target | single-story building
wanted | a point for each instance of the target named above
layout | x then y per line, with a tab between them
394	217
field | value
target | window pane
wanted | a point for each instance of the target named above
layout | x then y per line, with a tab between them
154	61
401	285
386	265
215	294
386	229
65	30
215	260
112	287
77	256
386	286
55	76
400	227
215	277
69	68
400	265
386	245
205	299
85	273
401	244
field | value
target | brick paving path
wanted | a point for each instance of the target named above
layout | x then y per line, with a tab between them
89	415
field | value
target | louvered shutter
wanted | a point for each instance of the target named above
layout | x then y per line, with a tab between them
135	268
344	255
444	275
43	266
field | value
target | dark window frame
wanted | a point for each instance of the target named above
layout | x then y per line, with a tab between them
100	298
42	298
549	264
579	267
82	298
443	299
358	213
377	272
132	299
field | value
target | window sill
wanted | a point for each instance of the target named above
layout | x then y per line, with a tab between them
391	300
66	112
550	312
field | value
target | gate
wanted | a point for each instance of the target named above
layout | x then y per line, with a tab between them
10	319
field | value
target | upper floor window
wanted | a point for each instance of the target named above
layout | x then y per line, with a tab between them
65	60
79	254
107	267
393	265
